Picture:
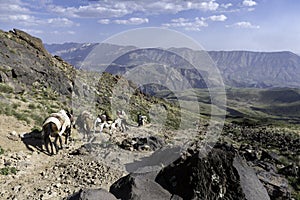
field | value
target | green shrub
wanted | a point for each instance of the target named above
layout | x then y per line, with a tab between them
21	116
24	99
5	88
13	51
13	170
15	105
32	106
36	129
1	150
8	111
8	170
296	195
37	119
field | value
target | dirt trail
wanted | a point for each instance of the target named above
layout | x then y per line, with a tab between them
40	176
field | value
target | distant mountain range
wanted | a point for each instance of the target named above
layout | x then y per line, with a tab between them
244	69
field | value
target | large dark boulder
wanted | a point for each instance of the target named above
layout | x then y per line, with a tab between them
199	177
33	41
250	184
221	174
139	186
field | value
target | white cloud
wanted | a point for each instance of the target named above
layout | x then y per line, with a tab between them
21	13
29	20
60	22
226	5
249	3
115	8
179	20
195	24
13	7
217	18
192	29
33	31
187	24
17	8
104	21
94	10
56	32
132	21
21	19
210	5
71	32
243	24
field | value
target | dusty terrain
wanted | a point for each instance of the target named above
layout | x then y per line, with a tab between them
40	176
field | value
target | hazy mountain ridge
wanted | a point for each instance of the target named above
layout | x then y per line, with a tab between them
238	68
258	69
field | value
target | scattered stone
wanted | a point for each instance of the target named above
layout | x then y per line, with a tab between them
13	136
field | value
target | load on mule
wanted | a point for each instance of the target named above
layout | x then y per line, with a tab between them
56	125
119	123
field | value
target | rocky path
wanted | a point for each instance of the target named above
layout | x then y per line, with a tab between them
101	162
39	176
81	165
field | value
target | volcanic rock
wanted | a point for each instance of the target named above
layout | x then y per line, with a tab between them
137	186
92	194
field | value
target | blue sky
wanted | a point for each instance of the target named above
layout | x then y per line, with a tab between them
256	25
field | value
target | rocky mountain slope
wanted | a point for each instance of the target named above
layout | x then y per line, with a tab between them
24	62
238	68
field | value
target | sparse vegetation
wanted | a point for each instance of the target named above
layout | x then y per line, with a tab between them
8	170
1	150
36	129
22	116
32	106
38	119
5	88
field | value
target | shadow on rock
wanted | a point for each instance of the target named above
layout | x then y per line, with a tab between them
155	161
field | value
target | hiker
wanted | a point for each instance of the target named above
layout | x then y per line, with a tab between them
141	119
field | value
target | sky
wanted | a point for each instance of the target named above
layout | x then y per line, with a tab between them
254	25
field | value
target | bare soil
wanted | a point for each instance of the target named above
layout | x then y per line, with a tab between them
78	165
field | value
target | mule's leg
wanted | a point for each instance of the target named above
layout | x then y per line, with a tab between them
49	142
55	144
68	134
60	142
66	139
46	142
